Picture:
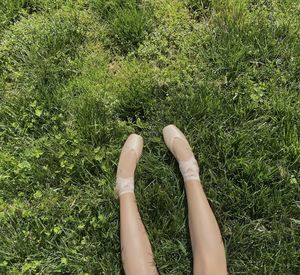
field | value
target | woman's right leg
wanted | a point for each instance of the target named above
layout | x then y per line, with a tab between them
208	249
136	252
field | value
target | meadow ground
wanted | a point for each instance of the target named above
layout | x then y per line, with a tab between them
78	76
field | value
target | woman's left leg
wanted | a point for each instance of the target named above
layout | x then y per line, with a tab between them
137	256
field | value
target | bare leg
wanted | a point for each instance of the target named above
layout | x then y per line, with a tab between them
137	256
207	244
208	249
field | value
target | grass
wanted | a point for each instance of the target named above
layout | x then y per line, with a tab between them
77	77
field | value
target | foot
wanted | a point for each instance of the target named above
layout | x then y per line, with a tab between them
182	151
130	154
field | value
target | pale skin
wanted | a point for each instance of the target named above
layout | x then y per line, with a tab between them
137	255
208	249
207	245
136	252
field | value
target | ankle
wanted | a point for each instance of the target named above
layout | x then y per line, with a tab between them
189	169
124	185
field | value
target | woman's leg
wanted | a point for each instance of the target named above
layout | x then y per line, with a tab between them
137	256
207	244
208	249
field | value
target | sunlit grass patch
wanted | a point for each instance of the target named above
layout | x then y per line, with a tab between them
127	22
77	77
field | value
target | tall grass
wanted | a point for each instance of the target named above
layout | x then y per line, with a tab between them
78	76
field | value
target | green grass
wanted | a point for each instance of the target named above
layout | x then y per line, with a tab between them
77	77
